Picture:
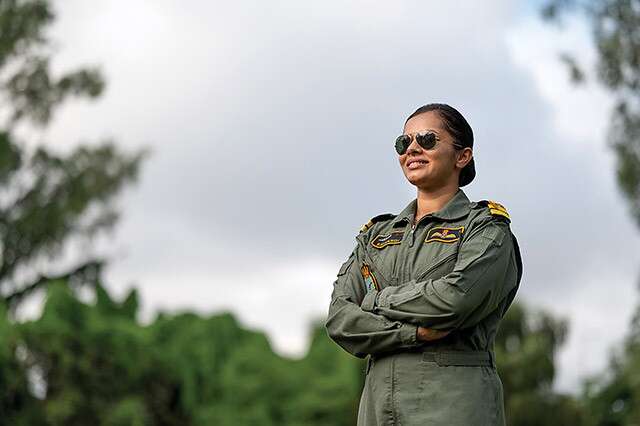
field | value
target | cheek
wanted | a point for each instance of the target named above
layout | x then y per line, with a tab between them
441	159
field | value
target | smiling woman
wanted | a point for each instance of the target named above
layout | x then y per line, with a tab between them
423	292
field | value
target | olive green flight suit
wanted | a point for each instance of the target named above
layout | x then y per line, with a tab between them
457	269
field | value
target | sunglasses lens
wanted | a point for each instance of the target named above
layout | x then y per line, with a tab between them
402	143
426	140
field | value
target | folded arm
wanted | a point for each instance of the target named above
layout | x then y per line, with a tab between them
485	273
357	331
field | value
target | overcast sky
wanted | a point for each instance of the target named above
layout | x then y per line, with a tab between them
272	128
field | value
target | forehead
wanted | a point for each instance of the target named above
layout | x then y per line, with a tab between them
429	120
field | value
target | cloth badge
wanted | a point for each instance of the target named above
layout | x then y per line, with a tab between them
370	281
444	235
381	241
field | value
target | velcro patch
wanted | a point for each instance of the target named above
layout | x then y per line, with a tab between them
370	281
444	235
381	241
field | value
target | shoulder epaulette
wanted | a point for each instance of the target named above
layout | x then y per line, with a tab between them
375	219
495	208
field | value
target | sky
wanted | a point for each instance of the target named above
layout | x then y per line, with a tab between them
271	127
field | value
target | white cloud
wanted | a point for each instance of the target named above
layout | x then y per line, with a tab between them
603	260
272	126
580	113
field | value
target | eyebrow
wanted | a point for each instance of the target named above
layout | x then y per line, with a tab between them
427	130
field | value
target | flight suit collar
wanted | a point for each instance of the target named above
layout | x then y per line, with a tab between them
456	208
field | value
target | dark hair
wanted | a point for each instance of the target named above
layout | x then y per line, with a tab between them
459	128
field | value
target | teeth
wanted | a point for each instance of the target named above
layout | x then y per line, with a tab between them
415	164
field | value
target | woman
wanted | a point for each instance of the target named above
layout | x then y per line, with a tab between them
423	291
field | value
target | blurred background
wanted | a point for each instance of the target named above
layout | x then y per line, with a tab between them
180	182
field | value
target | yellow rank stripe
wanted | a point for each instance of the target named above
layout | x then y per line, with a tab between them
497	206
366	226
497	209
499	213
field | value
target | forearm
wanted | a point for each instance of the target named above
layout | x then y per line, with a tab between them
484	275
361	333
426	303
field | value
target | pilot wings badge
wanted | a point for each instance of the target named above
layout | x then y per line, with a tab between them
444	235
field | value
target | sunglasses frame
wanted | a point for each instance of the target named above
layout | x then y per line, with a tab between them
427	140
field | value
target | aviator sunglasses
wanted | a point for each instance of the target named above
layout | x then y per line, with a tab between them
426	140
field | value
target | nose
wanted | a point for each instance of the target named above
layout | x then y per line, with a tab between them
414	147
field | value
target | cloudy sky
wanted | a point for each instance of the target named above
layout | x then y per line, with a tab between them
272	127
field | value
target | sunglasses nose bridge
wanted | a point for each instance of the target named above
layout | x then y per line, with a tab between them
413	144
408	142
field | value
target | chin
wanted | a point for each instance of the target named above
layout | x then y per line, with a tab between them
418	181
415	178
422	180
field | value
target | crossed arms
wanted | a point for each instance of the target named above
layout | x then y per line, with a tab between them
415	312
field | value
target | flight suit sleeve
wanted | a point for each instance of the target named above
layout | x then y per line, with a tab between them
485	273
359	332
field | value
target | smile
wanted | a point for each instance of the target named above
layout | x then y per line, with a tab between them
415	164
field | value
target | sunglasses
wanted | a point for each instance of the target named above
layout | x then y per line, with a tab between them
426	140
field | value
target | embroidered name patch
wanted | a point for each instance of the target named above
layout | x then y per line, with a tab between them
381	241
444	235
370	281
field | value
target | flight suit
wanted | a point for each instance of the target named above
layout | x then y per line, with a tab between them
457	269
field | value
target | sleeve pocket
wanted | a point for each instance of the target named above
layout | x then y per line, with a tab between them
494	233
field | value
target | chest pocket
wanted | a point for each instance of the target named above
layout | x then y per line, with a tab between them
438	267
438	252
385	251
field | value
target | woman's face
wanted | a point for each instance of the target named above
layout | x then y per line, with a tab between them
434	168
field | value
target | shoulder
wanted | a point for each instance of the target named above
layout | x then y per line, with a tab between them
490	220
381	218
487	210
497	228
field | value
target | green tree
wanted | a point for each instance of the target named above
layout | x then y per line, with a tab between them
613	397
97	365
17	404
48	199
526	347
615	30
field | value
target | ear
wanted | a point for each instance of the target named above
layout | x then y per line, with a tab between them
463	157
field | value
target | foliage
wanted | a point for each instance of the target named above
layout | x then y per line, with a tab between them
99	366
47	199
526	346
613	398
93	363
615	28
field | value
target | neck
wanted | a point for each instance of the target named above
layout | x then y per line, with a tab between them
432	200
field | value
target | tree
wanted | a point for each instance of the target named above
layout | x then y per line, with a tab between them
47	199
615	28
613	398
526	346
95	364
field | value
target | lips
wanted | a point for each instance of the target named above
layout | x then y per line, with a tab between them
416	163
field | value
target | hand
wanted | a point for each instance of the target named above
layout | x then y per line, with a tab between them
429	334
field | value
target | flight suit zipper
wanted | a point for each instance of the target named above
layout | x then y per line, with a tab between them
413	235
413	229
